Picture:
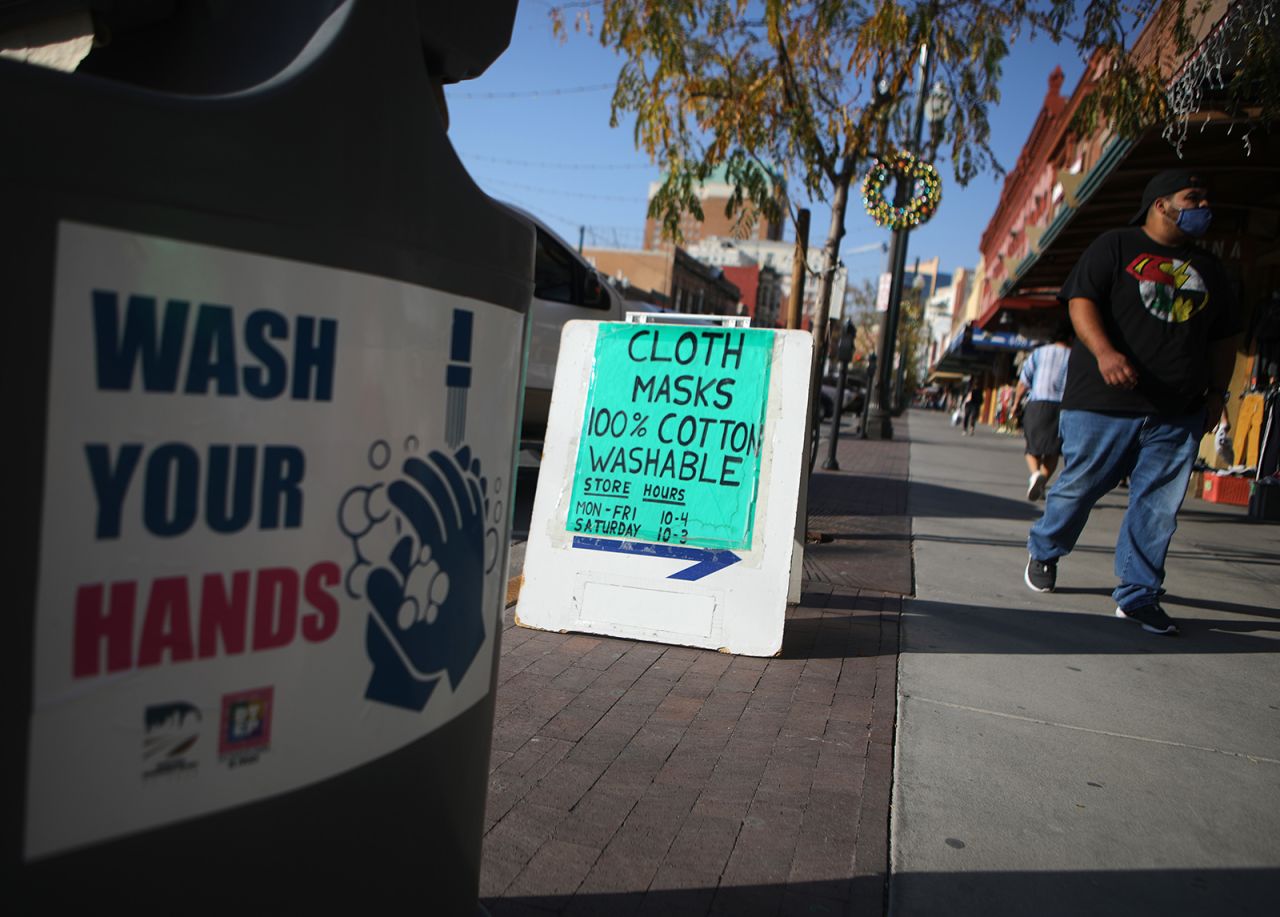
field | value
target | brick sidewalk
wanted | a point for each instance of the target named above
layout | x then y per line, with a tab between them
639	778
862	509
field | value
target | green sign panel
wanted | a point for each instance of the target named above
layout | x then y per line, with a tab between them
671	435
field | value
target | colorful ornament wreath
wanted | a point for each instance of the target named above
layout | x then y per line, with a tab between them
924	202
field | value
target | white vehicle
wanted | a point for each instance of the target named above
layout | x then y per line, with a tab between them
565	287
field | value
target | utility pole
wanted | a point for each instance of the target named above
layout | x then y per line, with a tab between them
879	419
799	266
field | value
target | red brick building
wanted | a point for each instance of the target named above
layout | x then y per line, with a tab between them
761	293
672	279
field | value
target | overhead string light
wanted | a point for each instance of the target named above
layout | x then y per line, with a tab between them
530	93
575	166
560	192
1214	64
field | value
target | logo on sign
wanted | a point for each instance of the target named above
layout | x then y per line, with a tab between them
421	546
170	732
245	731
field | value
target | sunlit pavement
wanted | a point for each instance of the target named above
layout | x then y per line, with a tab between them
1054	759
1046	758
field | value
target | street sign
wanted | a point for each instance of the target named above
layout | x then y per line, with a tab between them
882	292
667	495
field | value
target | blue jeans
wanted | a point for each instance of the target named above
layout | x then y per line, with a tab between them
1098	450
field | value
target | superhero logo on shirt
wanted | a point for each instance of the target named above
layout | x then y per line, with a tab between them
1172	290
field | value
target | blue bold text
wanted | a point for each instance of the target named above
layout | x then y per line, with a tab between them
176	351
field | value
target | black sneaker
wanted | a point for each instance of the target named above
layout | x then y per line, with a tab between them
1041	576
1152	618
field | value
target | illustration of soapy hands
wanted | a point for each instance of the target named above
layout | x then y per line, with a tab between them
419	543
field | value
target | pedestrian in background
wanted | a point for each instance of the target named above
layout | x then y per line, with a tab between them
973	400
1156	323
1042	380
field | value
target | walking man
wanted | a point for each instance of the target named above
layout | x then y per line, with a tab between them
974	398
1155	321
1042	380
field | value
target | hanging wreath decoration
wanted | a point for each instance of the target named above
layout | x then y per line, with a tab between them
926	187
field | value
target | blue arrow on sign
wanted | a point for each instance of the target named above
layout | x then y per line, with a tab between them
708	561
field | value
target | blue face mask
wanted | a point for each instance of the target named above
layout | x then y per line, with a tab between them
1194	221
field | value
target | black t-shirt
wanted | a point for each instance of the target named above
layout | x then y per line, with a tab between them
1162	307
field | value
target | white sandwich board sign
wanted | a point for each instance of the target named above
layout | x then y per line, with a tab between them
666	501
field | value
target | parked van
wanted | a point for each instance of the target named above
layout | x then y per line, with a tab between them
565	287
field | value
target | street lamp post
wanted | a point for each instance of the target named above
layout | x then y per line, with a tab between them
900	398
880	419
866	394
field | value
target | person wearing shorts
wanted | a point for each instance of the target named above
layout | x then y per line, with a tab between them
1042	380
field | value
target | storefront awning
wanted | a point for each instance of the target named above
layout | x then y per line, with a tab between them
975	350
1009	304
981	340
1110	192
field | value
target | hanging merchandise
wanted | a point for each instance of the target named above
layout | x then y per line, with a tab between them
926	188
1264	499
1222	442
1264	332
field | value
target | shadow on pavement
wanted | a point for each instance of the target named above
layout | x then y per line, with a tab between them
853	897
985	629
1233	514
1075	892
1234	608
1068	893
1263	558
1082	590
856	496
937	502
877	563
847	626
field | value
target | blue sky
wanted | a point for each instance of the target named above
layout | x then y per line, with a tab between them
526	138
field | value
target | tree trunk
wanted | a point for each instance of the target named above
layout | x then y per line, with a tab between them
830	258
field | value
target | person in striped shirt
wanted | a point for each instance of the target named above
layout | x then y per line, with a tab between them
1042	380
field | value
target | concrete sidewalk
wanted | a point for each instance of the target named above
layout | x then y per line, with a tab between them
1053	759
638	778
1049	758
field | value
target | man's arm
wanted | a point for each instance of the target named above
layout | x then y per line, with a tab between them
1025	377
1114	366
1222	362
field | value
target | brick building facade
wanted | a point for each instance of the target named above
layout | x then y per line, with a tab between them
681	282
